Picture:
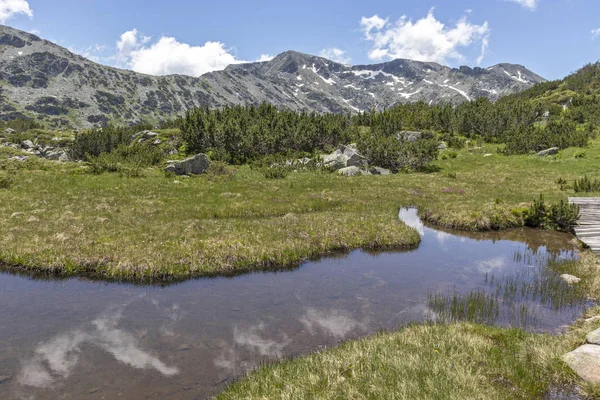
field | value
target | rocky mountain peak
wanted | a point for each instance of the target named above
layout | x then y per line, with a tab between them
39	79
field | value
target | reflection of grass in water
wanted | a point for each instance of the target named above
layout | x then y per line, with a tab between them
510	297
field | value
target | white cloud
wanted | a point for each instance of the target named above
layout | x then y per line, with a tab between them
426	39
530	4
485	42
169	56
265	57
128	43
335	54
595	33
9	8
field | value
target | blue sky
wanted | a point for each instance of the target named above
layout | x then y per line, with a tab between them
550	37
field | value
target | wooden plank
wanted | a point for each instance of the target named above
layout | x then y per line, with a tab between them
588	229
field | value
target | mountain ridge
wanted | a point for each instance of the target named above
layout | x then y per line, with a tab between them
45	81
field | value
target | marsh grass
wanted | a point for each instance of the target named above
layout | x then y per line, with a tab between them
511	299
59	218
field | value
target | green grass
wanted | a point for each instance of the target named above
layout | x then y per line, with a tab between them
60	219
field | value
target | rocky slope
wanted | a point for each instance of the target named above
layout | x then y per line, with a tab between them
43	80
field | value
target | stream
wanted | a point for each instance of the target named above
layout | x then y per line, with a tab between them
79	339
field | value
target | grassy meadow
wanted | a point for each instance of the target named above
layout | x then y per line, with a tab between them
58	218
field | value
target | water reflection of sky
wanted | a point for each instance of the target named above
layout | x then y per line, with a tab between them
95	340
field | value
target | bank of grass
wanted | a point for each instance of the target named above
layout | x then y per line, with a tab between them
457	361
61	219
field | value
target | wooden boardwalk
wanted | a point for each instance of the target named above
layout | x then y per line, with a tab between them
588	230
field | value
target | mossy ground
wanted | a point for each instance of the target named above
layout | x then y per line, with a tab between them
60	219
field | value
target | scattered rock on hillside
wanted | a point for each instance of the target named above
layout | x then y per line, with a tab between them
585	361
570	279
9	131
27	144
442	146
57	155
379	171
144	135
351	171
19	158
548	152
193	165
409	136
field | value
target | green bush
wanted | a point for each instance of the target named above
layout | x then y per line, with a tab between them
275	172
126	160
561	217
532	138
386	150
586	185
95	142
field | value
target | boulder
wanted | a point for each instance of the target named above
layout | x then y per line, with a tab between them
593	337
57	155
548	152
570	279
27	144
409	136
19	158
585	361
379	171
193	165
336	160
351	171
9	131
157	141
442	146
345	156
144	135
355	159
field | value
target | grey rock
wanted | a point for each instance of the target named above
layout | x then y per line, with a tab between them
593	337
409	136
57	155
193	165
585	361
350	171
144	135
548	152
5	378
157	142
27	144
570	279
9	131
336	160
19	158
442	146
292	80
355	159
379	171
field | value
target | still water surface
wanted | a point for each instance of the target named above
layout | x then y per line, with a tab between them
77	339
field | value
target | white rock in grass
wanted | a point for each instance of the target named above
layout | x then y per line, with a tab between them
570	279
593	337
585	361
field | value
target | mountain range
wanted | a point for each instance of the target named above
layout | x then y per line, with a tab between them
42	80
